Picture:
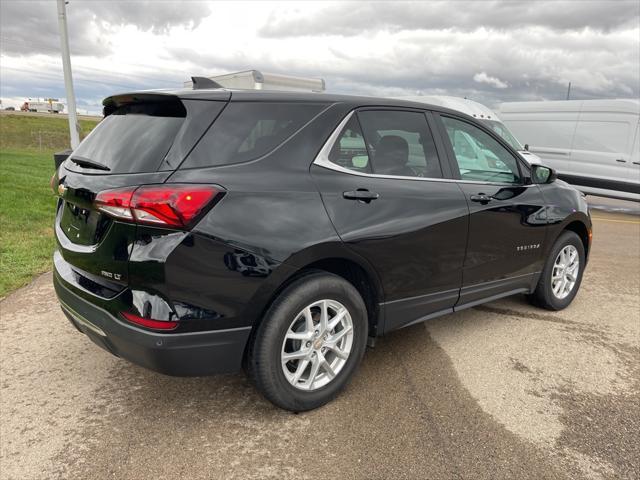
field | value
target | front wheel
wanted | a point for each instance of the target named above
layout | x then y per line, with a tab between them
309	343
562	274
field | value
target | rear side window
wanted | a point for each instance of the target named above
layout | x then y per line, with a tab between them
248	130
134	138
350	151
400	143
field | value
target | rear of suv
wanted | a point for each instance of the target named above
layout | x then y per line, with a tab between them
200	231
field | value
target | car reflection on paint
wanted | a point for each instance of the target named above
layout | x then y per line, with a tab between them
247	264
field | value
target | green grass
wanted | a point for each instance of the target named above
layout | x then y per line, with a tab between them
27	204
43	133
27	207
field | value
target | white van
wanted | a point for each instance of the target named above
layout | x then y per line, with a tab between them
482	113
593	144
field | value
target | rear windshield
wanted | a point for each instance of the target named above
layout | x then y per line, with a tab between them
248	130
134	138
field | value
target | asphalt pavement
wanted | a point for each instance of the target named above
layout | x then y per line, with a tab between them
503	390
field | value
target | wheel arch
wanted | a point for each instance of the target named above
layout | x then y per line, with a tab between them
583	231
357	276
342	263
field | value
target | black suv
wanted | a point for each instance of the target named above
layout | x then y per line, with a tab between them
201	231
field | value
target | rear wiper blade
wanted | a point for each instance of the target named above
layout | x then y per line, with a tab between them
86	162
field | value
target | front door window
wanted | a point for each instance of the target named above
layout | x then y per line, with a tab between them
479	156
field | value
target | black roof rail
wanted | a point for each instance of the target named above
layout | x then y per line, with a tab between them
200	83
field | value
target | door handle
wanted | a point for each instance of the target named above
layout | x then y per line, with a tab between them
361	194
621	160
481	198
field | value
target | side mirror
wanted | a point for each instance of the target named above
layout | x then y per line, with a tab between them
526	147
541	174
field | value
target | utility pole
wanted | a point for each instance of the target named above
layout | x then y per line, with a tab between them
68	79
568	90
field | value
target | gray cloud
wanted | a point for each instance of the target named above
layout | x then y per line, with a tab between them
156	16
488	51
349	19
31	27
91	86
525	64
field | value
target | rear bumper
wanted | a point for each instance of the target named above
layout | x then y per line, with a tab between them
179	354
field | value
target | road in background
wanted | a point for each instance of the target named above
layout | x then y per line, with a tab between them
613	205
502	390
48	115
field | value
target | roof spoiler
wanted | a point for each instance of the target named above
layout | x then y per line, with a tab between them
200	83
112	103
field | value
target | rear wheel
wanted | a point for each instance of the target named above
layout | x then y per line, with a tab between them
309	343
562	274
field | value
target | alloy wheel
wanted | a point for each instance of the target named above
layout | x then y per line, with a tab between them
317	345
565	271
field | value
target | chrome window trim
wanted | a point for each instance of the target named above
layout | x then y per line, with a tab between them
322	160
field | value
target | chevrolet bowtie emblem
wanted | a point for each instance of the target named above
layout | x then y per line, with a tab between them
61	189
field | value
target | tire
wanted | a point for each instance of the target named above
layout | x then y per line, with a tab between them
288	316
546	294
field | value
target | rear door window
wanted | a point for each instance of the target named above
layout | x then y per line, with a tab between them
400	143
248	130
134	138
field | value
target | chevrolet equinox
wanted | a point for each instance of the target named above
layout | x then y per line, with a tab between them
203	231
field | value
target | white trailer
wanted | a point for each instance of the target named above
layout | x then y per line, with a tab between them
256	80
49	105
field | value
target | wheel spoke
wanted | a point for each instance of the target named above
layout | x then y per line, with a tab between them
337	319
315	368
327	368
334	339
308	320
298	335
338	352
298	355
557	287
302	366
324	316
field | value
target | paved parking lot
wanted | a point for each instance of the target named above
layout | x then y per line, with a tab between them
503	390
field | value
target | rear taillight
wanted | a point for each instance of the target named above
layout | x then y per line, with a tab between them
167	205
116	203
148	322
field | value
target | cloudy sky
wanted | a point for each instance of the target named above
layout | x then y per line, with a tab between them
490	51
